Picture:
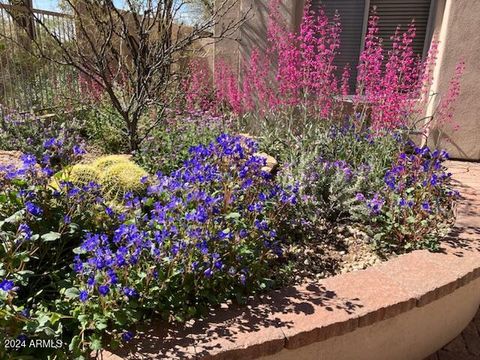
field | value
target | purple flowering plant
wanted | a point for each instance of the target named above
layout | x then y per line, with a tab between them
415	203
41	222
329	188
58	136
206	233
167	147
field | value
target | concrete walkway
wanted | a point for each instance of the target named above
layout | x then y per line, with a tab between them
467	345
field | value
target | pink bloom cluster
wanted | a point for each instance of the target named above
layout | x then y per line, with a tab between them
90	88
297	69
198	86
304	71
390	86
446	107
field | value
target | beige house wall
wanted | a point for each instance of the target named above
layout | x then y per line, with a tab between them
456	24
253	32
459	34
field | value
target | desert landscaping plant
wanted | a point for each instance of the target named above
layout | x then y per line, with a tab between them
128	54
231	185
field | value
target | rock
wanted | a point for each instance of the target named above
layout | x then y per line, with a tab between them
271	163
10	158
247	135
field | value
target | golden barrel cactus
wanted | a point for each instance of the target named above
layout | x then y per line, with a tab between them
104	162
84	174
120	178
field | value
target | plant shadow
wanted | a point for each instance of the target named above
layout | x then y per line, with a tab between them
228	324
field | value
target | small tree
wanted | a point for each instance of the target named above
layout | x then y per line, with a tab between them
129	52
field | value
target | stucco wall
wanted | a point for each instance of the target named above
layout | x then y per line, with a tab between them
253	32
459	35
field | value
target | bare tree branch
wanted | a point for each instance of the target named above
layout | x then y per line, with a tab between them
130	52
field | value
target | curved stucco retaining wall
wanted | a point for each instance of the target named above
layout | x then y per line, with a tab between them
415	334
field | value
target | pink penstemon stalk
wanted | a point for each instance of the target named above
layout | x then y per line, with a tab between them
282	47
197	86
90	88
319	41
398	86
446	107
391	93
369	73
227	88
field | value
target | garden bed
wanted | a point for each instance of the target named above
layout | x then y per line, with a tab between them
96	243
407	307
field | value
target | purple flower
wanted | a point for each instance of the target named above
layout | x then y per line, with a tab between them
376	204
360	197
29	161
127	336
426	206
7	285
49	143
130	292
33	209
78	150
25	231
109	212
208	273
83	296
103	290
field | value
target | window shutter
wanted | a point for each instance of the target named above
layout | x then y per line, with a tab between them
401	12
352	14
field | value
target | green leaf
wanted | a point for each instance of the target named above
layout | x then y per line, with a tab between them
233	215
96	343
101	325
54	318
74	343
25	272
51	236
15	218
79	251
72	293
83	319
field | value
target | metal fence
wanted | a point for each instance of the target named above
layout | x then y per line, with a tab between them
28	82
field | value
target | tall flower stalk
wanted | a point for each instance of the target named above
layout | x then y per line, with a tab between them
297	71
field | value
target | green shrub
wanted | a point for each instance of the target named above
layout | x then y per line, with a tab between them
40	226
31	134
206	233
168	146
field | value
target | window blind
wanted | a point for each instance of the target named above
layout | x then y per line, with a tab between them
401	12
391	13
